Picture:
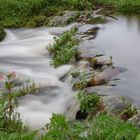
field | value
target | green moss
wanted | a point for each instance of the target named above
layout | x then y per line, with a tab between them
2	34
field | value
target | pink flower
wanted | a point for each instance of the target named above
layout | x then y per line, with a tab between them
13	74
1	77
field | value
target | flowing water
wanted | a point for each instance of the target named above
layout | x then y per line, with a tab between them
25	52
121	39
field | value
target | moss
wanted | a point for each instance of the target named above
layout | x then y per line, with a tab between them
2	34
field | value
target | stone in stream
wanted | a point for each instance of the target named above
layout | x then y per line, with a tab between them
99	62
64	19
105	76
135	120
87	50
115	104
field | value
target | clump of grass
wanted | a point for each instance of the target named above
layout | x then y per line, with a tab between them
2	34
100	128
110	128
64	48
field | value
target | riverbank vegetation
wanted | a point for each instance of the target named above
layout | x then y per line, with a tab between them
127	6
33	13
97	127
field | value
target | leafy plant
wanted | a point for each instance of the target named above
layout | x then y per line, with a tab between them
10	120
64	48
88	102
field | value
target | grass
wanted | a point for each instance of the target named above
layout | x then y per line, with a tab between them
103	127
23	13
127	6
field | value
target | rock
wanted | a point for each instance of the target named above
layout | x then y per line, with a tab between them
115	104
99	62
85	72
105	76
135	120
65	19
2	34
97	20
100	90
87	50
71	114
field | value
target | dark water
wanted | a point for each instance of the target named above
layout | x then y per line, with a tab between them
121	39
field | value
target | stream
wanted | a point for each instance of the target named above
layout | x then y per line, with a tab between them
121	39
24	51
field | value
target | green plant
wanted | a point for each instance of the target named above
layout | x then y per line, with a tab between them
64	48
75	74
60	129
106	127
10	120
102	127
88	102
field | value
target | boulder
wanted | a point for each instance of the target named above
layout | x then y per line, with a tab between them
64	19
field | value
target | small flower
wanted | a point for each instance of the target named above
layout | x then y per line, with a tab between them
13	74
1	77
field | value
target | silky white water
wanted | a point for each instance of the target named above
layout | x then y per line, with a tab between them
25	52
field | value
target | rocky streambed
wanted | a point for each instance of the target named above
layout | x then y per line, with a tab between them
97	67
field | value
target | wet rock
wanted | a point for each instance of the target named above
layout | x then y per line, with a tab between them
99	62
65	19
2	34
71	114
97	20
83	74
87	50
135	120
105	76
90	34
115	104
100	90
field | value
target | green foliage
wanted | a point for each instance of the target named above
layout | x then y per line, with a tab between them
88	102
75	74
64	48
10	120
103	127
19	13
132	6
2	34
60	129
18	136
106	127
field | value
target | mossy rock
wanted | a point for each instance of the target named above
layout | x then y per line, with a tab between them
2	34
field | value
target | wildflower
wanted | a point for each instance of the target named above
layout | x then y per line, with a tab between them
1	77
13	74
